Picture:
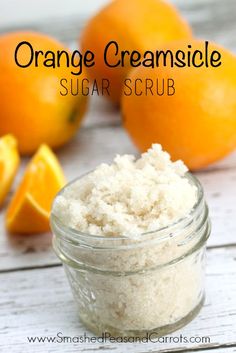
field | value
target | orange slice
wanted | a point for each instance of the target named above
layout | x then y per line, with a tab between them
9	162
29	209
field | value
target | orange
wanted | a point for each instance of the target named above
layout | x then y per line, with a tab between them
9	162
135	25
196	124
30	206
31	106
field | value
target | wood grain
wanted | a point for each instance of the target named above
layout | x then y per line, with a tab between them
98	143
35	297
211	19
39	302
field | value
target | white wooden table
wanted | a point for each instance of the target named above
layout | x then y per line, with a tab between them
35	299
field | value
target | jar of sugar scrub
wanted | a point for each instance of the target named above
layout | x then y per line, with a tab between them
135	259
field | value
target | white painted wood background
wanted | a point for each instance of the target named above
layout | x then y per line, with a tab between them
35	298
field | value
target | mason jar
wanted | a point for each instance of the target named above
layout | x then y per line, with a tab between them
152	283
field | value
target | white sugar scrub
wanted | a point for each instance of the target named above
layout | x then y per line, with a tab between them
128	197
132	238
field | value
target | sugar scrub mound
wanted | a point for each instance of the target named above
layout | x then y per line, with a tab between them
128	197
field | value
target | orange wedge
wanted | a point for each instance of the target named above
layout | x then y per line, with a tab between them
9	162
29	209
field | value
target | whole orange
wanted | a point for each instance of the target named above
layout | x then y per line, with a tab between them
135	25
31	106
198	122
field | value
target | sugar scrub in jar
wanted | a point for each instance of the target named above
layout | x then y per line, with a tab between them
132	237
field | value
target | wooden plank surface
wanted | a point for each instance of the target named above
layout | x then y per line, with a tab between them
85	152
35	298
211	19
98	141
39	302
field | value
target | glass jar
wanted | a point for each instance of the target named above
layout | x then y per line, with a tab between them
153	283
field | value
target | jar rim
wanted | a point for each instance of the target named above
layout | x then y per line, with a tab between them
77	236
